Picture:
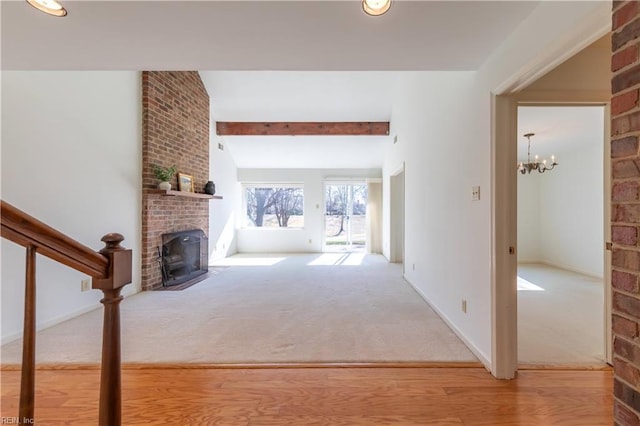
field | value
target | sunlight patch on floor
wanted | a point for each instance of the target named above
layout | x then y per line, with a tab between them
524	285
332	259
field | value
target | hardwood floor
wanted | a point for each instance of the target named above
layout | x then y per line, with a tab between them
323	396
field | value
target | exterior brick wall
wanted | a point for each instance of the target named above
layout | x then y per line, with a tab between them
175	130
625	162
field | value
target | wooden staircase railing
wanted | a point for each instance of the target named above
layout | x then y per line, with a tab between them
110	269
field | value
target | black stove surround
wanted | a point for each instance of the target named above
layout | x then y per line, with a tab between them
184	256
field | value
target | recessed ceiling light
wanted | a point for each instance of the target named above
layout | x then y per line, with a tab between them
376	7
51	7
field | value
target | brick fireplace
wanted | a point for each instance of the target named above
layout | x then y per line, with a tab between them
175	130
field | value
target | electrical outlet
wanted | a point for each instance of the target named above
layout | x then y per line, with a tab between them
85	284
464	306
475	193
414	266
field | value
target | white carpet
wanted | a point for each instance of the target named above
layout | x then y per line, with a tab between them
267	309
560	317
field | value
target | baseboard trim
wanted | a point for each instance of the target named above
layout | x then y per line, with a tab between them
57	320
54	321
485	362
205	366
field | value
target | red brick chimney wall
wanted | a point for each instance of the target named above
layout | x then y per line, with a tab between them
625	162
175	130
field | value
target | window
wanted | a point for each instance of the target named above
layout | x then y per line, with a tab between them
279	206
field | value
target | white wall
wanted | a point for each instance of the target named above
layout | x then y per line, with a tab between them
571	221
374	216
222	213
71	157
447	240
396	217
529	218
560	222
308	239
582	75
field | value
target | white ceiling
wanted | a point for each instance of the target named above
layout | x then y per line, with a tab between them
270	35
559	129
300	96
257	35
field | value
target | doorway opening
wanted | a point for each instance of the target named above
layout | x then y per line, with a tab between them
561	233
345	217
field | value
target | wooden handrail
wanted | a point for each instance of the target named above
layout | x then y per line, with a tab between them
110	269
25	230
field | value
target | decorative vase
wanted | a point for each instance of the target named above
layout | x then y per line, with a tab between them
165	186
210	188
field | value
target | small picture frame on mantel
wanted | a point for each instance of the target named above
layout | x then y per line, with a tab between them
185	182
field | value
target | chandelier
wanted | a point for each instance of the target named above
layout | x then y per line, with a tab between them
536	164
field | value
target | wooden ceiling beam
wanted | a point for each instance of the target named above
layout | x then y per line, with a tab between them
358	128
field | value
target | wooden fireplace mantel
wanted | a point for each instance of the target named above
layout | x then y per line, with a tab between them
172	193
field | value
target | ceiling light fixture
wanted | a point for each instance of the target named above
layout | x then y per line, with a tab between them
536	164
50	7
376	7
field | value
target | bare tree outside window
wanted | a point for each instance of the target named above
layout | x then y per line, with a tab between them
345	210
273	207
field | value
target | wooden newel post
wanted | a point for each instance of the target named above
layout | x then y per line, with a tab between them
119	276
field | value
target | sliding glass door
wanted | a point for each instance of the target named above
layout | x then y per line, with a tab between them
345	217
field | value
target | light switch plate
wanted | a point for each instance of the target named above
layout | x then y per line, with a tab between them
475	193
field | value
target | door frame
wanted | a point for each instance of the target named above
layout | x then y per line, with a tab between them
504	219
608	290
